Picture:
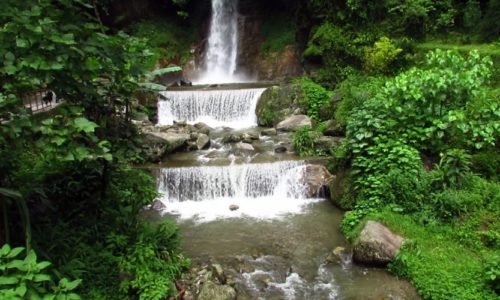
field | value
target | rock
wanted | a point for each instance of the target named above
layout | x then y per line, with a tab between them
327	143
203	128
280	149
341	194
203	141
332	128
233	207
268	132
339	255
244	147
232	138
294	123
277	102
153	147
180	123
376	245
212	291
158	205
316	178
194	136
218	272
174	140
249	137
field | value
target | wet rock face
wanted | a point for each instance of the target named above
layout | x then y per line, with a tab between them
294	123
317	179
376	245
158	141
276	103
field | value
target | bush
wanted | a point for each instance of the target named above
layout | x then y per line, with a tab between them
26	278
354	91
304	141
316	99
455	203
379	58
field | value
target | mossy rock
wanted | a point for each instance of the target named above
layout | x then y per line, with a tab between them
278	102
341	192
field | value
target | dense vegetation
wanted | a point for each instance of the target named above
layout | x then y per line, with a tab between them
422	128
67	192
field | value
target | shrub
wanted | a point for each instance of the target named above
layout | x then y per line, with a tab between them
316	99
455	203
26	278
379	58
278	32
304	141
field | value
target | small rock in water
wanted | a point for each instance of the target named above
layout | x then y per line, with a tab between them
233	207
268	132
180	123
218	272
280	149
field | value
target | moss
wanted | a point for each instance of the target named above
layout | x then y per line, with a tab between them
277	32
276	103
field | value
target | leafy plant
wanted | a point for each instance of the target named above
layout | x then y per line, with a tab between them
316	99
28	279
304	141
379	57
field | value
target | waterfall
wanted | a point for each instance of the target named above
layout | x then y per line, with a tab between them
222	51
260	190
231	108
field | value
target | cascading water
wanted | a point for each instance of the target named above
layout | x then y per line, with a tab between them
260	190
222	51
231	108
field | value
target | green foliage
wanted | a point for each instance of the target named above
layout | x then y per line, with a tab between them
316	99
168	41
454	165
354	92
304	140
489	27
487	164
277	32
340	51
379	58
25	278
472	14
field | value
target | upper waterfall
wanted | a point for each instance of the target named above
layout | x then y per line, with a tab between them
231	108
222	52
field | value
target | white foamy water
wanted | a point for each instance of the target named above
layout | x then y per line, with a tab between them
266	190
216	108
222	51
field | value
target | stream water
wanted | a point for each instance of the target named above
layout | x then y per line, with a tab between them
244	206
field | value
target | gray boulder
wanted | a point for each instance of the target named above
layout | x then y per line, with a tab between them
293	123
268	132
316	178
174	140
232	138
376	245
203	141
212	291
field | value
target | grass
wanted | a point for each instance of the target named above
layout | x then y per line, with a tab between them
437	262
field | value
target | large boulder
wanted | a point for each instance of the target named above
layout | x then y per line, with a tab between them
174	140
376	245
316	179
293	123
276	103
212	291
341	194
